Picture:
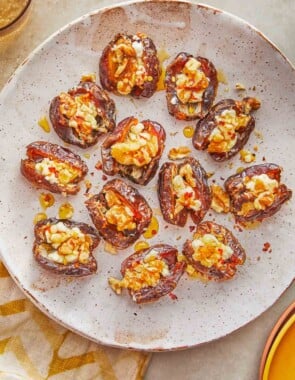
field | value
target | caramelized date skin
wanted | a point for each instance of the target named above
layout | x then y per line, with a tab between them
189	111
239	194
167	196
151	63
228	267
39	150
206	125
106	115
112	167
166	284
75	269
97	206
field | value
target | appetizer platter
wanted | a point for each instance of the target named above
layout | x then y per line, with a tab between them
147	175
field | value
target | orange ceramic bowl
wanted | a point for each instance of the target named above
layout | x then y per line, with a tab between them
280	341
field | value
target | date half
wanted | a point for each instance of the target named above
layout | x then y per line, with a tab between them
256	193
134	149
65	247
183	190
214	252
226	128
191	85
83	114
54	168
119	213
150	273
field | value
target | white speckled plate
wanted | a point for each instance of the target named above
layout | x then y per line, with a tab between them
202	312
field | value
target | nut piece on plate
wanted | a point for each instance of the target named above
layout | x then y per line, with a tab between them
150	273
214	252
129	66
83	114
226	128
183	190
133	150
256	192
220	199
65	247
179	153
191	85
54	168
119	213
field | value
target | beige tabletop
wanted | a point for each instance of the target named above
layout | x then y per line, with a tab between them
237	356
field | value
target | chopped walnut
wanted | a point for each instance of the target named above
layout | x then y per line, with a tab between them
220	201
240	87
179	153
247	156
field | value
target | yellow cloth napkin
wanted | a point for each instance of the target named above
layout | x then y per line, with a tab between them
34	347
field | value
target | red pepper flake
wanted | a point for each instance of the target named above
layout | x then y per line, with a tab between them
154	232
266	247
263	158
238	228
192	228
166	227
104	177
98	165
173	296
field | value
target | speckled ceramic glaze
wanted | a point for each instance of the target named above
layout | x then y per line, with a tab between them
202	311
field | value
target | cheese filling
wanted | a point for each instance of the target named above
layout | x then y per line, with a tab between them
183	185
119	214
138	148
57	172
82	114
65	245
224	136
191	82
142	274
209	251
130	69
263	188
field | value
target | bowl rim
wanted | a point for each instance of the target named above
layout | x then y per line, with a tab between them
20	15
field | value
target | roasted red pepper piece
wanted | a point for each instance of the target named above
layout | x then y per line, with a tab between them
191	85
214	252
134	149
65	247
150	273
54	168
83	114
183	190
129	66
256	193
226	128
119	213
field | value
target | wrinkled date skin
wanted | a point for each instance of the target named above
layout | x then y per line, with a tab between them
75	269
105	118
189	111
39	150
167	195
206	125
109	68
166	284
143	174
239	194
98	205
225	270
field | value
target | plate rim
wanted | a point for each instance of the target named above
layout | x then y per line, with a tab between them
30	56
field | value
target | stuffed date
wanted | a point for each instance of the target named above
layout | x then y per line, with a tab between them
65	247
214	252
183	190
129	66
119	213
256	193
54	168
226	128
83	114
191	85
133	150
150	273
